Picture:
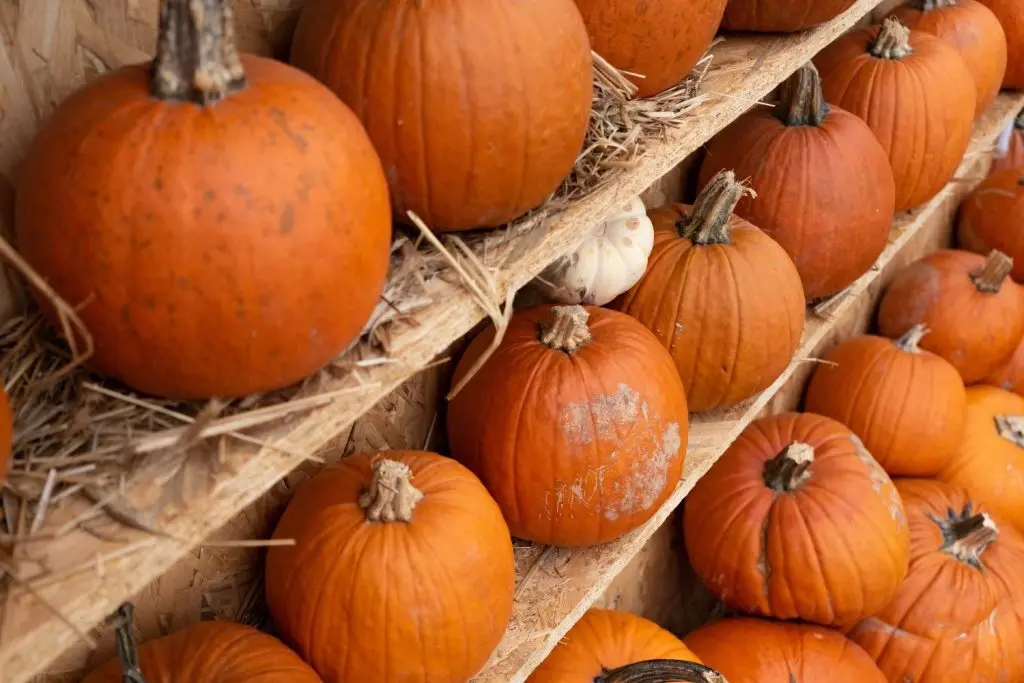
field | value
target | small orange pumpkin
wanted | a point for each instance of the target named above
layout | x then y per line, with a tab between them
577	424
705	299
1010	148
1011	15
906	404
380	543
992	217
1010	376
769	529
989	461
973	312
960	614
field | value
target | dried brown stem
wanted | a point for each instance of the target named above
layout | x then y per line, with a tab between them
989	278
661	671
801	100
390	497
910	341
127	651
929	5
893	41
966	536
788	470
565	328
709	221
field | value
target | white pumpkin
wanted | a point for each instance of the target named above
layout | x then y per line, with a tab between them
607	264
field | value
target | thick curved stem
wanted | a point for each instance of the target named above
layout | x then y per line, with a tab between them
196	58
801	100
565	328
788	470
390	497
127	651
966	537
893	41
661	671
910	342
709	221
989	279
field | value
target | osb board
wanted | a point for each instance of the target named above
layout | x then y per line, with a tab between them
89	576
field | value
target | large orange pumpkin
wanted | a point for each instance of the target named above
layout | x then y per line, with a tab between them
769	529
906	404
1010	375
989	461
577	424
973	30
1010	149
402	571
656	42
223	224
917	95
992	217
704	296
755	651
824	186
209	652
960	614
1011	15
973	312
781	16
605	646
478	108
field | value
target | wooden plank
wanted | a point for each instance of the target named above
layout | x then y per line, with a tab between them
88	574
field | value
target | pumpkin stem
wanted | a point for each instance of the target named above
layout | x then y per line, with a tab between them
661	671
127	651
196	59
909	342
966	537
893	41
390	497
787	471
708	223
801	100
929	5
565	328
1011	428
989	278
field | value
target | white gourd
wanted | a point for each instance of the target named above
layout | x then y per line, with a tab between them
607	264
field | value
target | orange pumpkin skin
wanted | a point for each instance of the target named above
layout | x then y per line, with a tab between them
973	30
959	617
992	217
989	461
1011	15
920	107
825	190
604	640
781	16
328	592
976	331
748	650
729	335
1010	151
609	417
478	108
213	652
906	404
1010	376
219	251
769	528
660	40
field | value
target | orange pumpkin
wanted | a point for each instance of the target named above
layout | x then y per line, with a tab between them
656	42
604	646
1011	15
906	404
917	95
6	431
223	224
989	461
1010	148
705	299
992	217
370	590
973	312
960	614
478	108
1010	376
824	187
586	437
781	16
973	30
209	652
756	651
769	529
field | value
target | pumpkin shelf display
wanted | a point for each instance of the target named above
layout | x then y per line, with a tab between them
1010	148
973	312
723	297
769	529
825	190
617	647
960	614
577	424
656	43
917	95
478	108
989	461
379	543
781	16
992	217
222	222
904	403
973	30
1011	15
607	263
748	650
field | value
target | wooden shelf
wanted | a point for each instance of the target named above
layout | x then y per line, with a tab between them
89	575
